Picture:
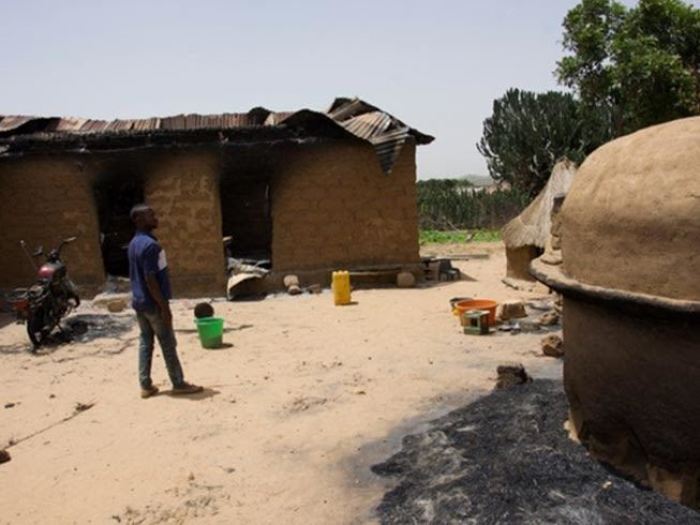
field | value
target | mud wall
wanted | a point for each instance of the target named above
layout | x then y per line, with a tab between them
42	200
631	380
333	207
630	220
183	188
518	262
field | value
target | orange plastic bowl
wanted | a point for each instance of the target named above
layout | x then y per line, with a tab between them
478	304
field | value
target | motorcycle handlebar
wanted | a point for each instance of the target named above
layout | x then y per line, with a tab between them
40	250
68	240
53	253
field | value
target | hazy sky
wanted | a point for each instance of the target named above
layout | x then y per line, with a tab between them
435	65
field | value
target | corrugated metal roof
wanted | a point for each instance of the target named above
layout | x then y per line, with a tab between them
70	124
388	147
346	108
11	122
368	125
365	121
276	118
94	126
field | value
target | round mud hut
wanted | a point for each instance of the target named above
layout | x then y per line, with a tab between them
526	235
630	277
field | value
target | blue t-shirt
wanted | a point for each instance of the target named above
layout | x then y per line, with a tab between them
147	257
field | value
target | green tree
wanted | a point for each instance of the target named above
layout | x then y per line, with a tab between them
528	133
633	67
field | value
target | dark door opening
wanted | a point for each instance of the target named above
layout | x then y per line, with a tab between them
246	218
115	195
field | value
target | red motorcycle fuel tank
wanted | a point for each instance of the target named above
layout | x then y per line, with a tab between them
47	271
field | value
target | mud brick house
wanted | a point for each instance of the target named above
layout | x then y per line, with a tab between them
310	191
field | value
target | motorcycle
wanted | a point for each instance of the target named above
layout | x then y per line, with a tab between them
50	299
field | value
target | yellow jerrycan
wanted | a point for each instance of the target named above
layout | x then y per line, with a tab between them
341	287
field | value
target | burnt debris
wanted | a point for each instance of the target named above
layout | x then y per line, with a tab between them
507	459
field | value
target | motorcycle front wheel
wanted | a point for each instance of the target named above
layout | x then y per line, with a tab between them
38	327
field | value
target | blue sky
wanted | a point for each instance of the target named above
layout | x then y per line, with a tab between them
436	65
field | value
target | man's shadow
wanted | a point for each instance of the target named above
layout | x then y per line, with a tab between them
204	394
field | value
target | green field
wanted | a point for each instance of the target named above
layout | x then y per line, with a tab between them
458	236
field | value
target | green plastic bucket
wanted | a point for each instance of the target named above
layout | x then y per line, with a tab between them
211	331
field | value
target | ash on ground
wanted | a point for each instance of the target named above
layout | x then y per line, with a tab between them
87	327
507	459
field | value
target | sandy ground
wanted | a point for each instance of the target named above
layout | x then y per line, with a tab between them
305	400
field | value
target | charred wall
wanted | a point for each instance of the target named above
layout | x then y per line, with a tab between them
332	206
42	200
47	198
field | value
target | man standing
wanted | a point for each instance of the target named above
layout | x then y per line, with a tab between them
150	288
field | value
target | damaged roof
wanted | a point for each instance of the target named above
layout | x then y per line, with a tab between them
346	117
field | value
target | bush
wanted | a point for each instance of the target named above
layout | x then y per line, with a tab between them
455	204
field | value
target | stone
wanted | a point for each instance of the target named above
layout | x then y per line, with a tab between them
4	456
314	288
114	302
511	374
513	309
117	305
553	346
405	280
549	319
290	280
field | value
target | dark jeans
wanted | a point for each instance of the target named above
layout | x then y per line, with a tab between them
151	324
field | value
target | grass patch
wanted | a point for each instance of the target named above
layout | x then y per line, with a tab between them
458	236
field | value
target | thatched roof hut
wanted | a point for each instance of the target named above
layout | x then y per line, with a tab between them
526	235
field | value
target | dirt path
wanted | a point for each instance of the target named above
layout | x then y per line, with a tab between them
306	399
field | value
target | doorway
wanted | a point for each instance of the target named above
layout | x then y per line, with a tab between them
246	218
116	192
